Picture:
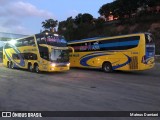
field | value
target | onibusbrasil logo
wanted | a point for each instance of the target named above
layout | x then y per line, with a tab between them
21	114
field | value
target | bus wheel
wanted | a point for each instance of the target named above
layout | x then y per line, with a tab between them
107	67
30	68
36	68
8	65
12	65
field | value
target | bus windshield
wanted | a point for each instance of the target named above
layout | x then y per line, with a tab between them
58	55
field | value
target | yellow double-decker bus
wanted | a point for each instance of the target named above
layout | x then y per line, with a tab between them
125	52
39	52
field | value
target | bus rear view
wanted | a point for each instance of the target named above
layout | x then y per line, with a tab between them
148	60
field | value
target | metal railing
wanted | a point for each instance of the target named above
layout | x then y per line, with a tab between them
10	35
7	36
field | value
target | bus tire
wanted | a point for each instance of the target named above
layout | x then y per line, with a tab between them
30	68
12	65
8	64
107	67
36	68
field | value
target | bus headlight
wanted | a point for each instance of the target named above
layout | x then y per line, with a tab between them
53	64
68	64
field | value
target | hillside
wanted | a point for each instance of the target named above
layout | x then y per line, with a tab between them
152	27
85	26
149	23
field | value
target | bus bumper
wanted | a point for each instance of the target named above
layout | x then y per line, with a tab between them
58	69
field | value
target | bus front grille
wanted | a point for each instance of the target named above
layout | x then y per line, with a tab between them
61	65
134	63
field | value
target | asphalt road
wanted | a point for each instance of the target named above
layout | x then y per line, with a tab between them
80	90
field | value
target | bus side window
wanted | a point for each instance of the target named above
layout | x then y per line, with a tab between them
38	40
34	57
31	41
7	46
44	53
19	43
25	42
43	40
15	56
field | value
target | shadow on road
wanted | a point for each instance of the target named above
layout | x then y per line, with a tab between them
137	73
99	71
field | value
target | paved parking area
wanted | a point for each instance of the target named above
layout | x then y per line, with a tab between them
80	90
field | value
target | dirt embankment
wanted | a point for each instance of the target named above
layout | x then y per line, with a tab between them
152	27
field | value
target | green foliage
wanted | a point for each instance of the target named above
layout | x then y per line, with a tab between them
76	28
85	26
49	24
121	8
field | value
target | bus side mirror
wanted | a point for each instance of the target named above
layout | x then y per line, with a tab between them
71	49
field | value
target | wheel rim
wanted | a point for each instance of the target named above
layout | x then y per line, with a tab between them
107	68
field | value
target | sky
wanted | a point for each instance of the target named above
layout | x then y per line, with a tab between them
26	16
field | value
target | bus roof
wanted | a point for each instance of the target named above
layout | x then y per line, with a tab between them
101	38
43	33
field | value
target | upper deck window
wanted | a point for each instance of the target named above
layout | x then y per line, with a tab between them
51	39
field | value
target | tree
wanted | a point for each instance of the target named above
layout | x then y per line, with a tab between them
49	24
67	28
105	9
83	18
119	8
76	28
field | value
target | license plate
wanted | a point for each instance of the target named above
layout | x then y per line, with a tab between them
61	68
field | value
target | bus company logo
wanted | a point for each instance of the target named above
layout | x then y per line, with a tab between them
21	114
6	114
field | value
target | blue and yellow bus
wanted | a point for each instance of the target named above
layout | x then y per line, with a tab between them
125	52
39	52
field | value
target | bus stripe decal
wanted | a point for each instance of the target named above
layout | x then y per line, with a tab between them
22	62
97	53
121	65
117	44
84	60
9	58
